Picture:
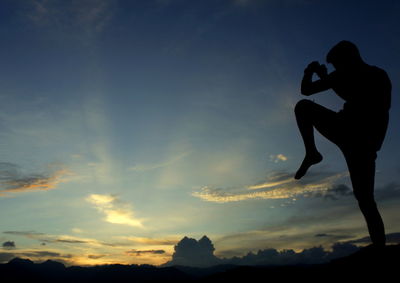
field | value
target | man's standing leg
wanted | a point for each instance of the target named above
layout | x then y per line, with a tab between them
362	174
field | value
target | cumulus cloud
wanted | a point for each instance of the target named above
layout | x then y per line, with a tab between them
115	210
9	245
190	252
277	186
14	180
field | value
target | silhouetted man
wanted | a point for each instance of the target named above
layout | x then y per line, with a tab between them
358	129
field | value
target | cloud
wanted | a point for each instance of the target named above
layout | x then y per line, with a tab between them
28	234
337	191
277	186
391	238
96	256
116	211
388	192
77	230
141	252
13	180
321	235
9	245
277	158
190	252
152	242
45	239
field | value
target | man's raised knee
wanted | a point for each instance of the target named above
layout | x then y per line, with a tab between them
303	105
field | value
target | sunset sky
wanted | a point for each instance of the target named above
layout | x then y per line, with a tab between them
127	125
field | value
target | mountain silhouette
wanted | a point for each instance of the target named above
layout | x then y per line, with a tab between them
366	263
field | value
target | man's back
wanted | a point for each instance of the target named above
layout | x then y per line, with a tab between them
366	90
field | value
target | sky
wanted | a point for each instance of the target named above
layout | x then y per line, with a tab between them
127	125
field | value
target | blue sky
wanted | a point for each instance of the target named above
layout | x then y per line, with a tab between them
130	124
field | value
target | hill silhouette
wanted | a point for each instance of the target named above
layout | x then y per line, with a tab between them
366	263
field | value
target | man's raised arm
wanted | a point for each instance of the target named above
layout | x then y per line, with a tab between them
308	87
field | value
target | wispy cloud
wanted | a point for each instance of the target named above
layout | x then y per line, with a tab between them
96	256
28	234
152	241
65	239
115	210
277	186
141	252
13	180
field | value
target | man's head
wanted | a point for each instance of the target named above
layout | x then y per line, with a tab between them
344	55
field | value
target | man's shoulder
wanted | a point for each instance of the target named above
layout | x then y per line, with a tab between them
376	70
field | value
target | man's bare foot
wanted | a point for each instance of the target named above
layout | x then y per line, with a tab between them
308	161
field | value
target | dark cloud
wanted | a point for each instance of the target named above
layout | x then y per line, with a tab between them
13	179
95	256
29	234
9	245
321	235
141	252
190	252
334	192
388	192
71	241
314	255
392	238
337	191
342	249
50	239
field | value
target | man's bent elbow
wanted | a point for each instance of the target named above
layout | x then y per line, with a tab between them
305	92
